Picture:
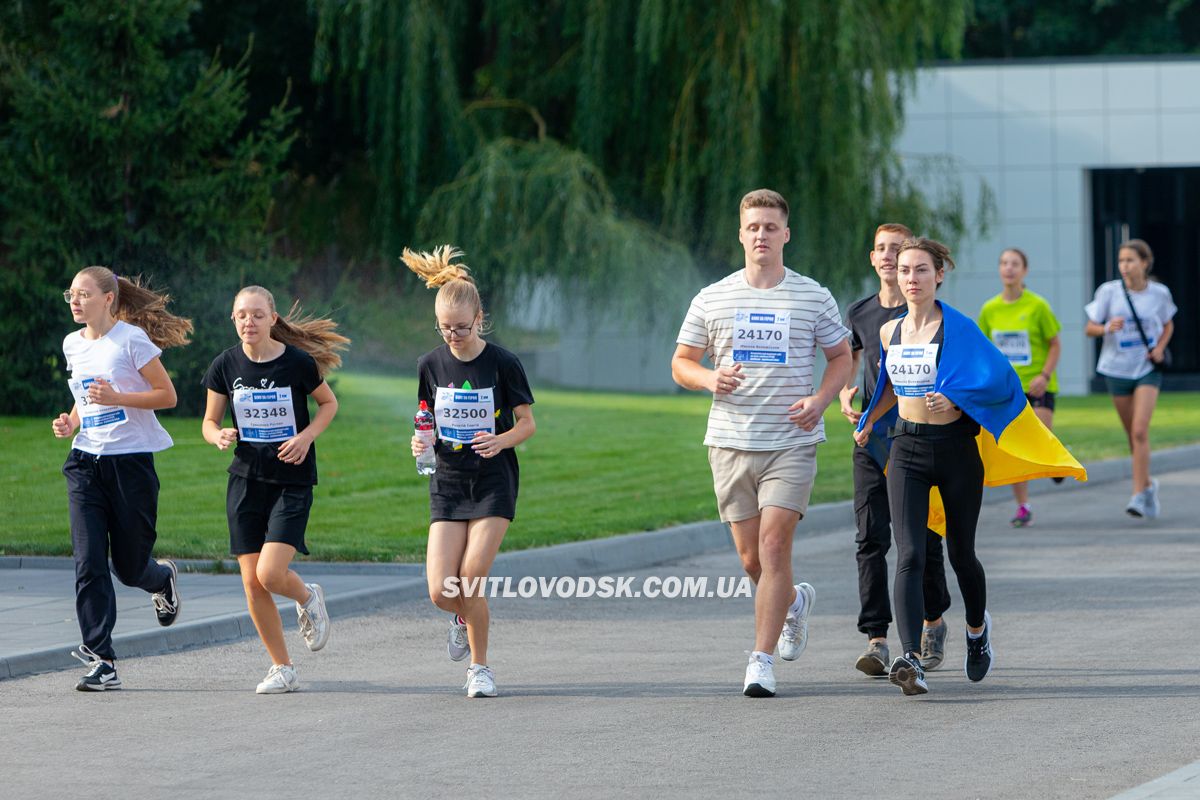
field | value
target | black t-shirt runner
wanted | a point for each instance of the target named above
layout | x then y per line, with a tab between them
864	319
494	368
269	404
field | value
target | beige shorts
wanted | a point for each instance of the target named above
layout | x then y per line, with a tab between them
747	481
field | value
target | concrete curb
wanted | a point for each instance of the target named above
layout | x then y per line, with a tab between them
612	555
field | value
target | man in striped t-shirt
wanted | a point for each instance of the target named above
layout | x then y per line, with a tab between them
760	328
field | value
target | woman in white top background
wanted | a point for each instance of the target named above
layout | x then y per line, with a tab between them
118	382
1134	315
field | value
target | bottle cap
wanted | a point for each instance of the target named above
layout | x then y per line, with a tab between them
423	406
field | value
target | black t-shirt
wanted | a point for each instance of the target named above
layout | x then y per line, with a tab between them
864	319
494	368
264	414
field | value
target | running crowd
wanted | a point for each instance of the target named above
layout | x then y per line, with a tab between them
947	405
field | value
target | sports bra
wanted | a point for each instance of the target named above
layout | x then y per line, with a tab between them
913	368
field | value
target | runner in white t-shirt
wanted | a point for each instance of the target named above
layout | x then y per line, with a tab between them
760	329
118	382
1132	370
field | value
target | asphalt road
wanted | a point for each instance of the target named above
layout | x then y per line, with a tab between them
1095	691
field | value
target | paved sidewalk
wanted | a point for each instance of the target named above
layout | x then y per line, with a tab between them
37	596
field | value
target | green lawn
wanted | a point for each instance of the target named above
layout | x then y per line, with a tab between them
600	464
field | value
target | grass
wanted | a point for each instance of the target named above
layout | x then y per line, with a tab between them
601	464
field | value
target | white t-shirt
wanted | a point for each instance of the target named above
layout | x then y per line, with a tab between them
1123	354
774	334
116	357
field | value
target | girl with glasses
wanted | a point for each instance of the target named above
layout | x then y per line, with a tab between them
267	379
118	382
481	400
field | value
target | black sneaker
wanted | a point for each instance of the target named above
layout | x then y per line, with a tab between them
978	662
101	677
907	673
166	602
933	645
1058	479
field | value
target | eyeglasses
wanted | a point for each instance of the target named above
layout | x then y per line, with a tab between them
460	331
242	319
70	296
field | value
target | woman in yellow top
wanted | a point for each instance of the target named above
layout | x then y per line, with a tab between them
1023	326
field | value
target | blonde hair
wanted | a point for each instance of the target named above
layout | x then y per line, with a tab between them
316	336
137	304
764	198
454	283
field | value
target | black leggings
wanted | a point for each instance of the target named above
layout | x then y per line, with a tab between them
945	456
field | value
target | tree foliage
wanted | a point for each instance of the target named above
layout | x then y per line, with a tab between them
119	146
649	118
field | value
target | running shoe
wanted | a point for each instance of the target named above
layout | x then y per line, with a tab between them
281	679
907	673
457	644
794	637
166	602
874	660
1152	505
101	677
1137	505
978	661
313	618
933	645
1058	479
1024	517
760	679
480	681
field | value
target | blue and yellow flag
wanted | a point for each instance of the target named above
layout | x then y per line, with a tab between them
1014	445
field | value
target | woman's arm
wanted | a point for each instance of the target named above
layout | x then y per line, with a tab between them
214	415
295	449
488	445
161	394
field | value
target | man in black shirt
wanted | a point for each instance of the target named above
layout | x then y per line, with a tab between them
871	513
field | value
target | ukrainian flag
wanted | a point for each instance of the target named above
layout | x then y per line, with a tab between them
1014	445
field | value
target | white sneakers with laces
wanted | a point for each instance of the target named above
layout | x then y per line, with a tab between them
458	646
480	681
313	618
794	637
280	679
760	679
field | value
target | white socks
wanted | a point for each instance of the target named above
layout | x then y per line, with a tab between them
797	606
766	658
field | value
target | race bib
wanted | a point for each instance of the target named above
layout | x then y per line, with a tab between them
1015	347
462	413
264	415
93	416
761	337
912	368
1130	340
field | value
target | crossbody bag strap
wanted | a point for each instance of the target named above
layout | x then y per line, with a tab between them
1137	321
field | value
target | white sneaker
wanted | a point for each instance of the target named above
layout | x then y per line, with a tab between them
1152	505
1137	505
457	645
314	619
794	637
480	681
760	679
281	679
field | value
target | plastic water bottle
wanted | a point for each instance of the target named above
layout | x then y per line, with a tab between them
424	426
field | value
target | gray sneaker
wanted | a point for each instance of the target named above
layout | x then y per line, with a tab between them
1152	505
1137	505
933	645
874	661
313	619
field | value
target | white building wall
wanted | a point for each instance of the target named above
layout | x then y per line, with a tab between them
1033	131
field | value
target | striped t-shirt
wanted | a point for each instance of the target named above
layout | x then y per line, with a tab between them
754	416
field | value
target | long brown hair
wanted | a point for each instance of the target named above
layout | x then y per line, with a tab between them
454	283
137	304
316	336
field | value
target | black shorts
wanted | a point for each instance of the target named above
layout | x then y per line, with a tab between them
1045	401
261	512
466	496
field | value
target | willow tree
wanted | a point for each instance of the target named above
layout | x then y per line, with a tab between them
509	125
121	145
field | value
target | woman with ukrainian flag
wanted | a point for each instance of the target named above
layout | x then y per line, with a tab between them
959	420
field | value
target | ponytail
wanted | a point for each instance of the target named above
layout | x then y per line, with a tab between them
137	304
316	336
456	288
